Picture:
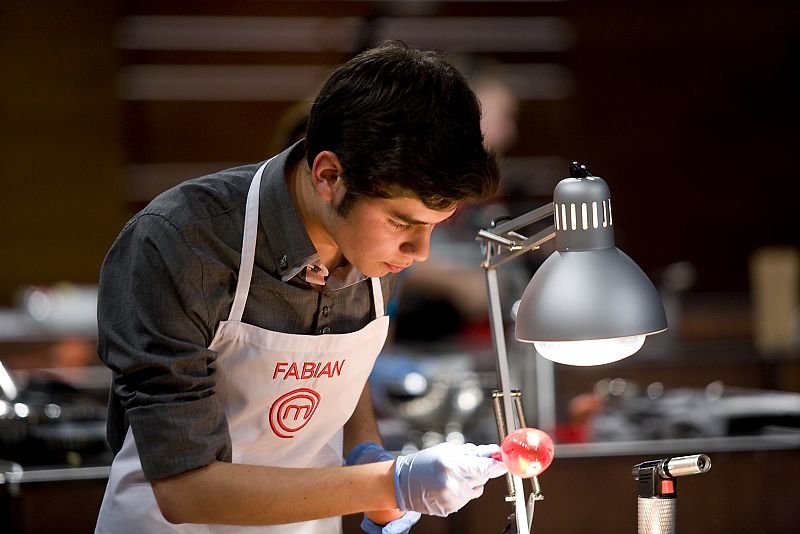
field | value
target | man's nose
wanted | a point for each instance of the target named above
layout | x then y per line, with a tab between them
419	248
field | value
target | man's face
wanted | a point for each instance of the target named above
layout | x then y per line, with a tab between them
381	236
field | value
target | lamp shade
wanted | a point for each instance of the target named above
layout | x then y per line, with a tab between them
588	301
582	295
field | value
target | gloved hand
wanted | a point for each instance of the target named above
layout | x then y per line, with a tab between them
398	526
370	452
442	479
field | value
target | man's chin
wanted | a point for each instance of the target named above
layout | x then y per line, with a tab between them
377	272
380	269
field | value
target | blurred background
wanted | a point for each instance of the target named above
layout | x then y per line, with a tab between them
688	111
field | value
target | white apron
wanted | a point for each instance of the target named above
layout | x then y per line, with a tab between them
286	398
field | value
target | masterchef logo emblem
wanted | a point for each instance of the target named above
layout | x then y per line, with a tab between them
293	411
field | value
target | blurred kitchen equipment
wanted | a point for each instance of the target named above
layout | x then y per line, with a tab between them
46	421
63	308
633	413
430	393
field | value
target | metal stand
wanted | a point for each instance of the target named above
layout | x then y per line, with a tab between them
500	245
658	492
502	432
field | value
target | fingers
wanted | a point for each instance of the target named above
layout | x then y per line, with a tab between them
487	450
479	469
477	491
497	469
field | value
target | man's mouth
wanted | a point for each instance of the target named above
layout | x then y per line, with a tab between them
397	268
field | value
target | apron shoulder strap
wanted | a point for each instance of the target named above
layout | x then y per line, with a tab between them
248	247
249	254
377	296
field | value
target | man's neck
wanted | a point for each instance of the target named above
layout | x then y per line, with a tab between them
311	210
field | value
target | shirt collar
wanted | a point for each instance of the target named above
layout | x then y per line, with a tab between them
290	247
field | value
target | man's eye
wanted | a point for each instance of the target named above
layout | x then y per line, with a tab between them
399	226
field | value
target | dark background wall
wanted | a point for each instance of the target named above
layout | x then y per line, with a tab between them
688	110
692	110
60	145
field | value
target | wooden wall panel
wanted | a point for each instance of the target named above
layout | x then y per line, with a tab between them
688	111
60	205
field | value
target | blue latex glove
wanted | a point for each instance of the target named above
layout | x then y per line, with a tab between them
366	453
442	479
398	526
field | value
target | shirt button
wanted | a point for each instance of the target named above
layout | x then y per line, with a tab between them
324	311
326	330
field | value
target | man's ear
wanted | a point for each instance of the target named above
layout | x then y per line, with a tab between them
326	176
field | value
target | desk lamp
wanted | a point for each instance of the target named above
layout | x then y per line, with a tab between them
588	304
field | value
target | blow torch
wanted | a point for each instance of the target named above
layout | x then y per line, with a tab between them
657	490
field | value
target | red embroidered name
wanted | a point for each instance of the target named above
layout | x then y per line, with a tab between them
307	370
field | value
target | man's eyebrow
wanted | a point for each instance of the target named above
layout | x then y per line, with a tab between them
409	220
412	221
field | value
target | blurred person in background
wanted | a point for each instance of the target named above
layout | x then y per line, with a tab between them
241	314
499	109
445	299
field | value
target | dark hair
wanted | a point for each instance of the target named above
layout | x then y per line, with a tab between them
402	122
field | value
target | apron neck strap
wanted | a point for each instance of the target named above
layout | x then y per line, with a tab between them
248	247
249	255
377	296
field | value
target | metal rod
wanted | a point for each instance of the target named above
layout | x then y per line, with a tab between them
539	214
498	337
545	393
503	256
489	236
501	432
498	414
517	397
535	486
505	235
531	506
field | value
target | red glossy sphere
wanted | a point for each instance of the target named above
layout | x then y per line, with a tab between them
527	452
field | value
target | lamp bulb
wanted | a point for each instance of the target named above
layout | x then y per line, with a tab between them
590	351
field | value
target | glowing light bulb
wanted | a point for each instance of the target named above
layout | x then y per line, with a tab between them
591	351
526	452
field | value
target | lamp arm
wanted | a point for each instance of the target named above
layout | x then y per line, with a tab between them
502	243
496	256
539	214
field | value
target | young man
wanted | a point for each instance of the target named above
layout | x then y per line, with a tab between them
241	314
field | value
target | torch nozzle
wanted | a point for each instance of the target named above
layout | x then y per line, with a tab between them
685	465
673	467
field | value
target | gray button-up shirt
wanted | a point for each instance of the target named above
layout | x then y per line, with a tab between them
170	278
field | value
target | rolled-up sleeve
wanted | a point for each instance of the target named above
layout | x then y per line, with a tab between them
154	330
